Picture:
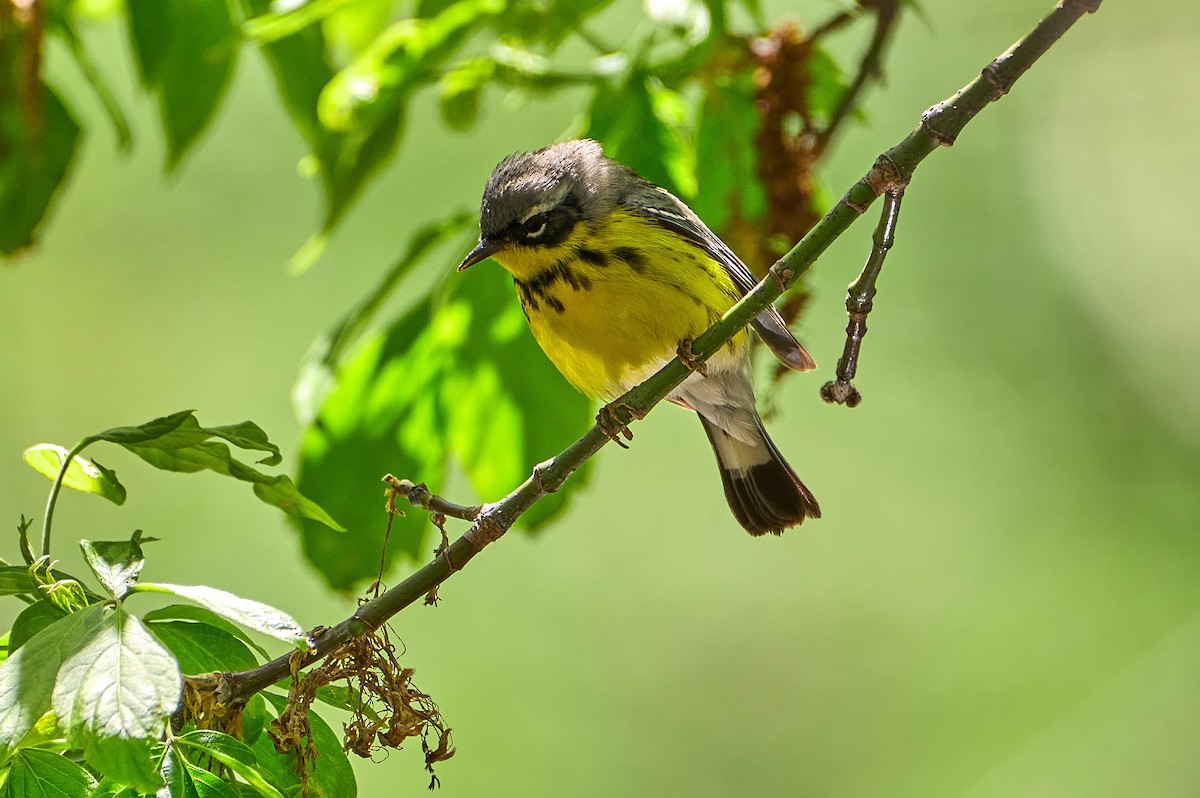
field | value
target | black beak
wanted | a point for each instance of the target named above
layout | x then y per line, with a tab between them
483	250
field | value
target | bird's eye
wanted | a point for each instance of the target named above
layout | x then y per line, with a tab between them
534	226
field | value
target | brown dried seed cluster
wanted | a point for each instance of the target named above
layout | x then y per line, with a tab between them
386	707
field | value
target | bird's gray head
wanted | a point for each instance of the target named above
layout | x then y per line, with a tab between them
537	198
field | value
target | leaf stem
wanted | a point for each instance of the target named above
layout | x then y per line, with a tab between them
52	499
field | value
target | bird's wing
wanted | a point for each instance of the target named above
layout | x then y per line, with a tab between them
666	209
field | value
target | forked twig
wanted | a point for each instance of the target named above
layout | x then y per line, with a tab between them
860	296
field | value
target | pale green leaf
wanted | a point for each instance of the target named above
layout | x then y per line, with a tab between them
27	677
84	475
253	615
113	696
116	563
190	612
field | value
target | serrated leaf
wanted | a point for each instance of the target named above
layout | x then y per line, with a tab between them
27	677
38	154
84	475
116	563
186	51
35	773
113	696
253	615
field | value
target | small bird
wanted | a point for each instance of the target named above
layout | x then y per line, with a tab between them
616	277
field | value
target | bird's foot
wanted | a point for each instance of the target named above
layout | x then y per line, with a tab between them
690	359
614	428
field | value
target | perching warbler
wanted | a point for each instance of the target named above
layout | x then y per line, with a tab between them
616	276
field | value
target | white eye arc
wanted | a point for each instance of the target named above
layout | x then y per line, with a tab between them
537	231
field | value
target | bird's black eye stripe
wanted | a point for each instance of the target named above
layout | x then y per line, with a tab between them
546	228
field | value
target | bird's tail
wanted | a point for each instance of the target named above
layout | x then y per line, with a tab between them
762	489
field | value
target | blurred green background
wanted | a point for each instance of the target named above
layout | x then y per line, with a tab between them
1001	598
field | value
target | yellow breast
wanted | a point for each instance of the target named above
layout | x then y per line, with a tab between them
612	302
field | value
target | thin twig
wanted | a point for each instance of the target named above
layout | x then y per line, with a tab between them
860	296
939	127
869	68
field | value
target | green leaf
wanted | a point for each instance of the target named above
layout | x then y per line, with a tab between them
234	754
186	52
251	614
826	85
27	677
200	648
16	581
317	372
178	443
190	612
116	563
333	776
33	619
38	153
642	124
727	178
185	780
536	22
464	376
506	407
149	431
342	697
461	89
61	21
352	119
126	760
110	788
381	416
41	774
113	696
208	785
175	776
86	476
